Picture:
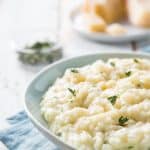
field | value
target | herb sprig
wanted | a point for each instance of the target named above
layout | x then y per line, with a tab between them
74	71
128	73
112	99
122	120
73	92
136	60
112	64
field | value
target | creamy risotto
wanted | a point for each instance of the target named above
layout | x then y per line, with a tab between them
102	106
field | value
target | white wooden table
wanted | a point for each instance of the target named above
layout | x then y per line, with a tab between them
21	21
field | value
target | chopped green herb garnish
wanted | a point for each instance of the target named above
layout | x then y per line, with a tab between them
128	73
40	45
40	52
112	99
136	60
73	92
59	134
74	71
130	147
112	64
122	120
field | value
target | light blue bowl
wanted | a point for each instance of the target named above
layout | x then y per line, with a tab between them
47	76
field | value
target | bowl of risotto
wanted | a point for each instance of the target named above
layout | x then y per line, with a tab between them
93	102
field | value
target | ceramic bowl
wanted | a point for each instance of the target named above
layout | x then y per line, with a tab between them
39	85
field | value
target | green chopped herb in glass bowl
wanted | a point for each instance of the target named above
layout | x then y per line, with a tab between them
40	52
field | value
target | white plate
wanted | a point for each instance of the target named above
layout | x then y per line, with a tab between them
133	33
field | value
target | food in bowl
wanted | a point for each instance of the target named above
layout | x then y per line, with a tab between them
101	106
